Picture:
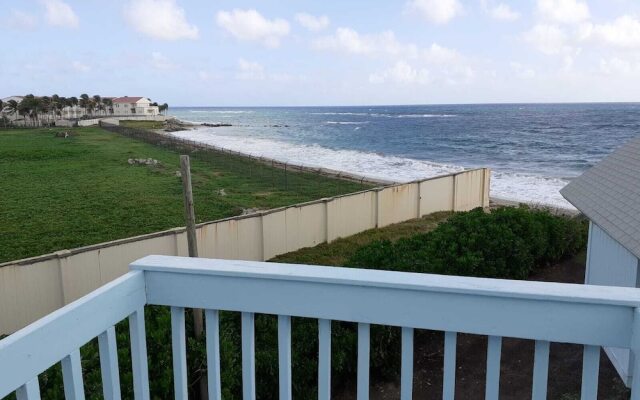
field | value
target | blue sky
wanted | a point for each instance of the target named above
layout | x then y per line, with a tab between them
239	53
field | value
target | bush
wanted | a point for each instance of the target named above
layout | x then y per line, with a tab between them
506	243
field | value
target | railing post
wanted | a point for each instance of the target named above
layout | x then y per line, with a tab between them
635	352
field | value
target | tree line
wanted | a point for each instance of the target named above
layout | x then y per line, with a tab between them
41	110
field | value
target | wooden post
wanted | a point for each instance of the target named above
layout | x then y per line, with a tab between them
189	214
192	243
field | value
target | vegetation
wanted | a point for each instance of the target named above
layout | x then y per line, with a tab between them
506	243
142	124
60	193
40	111
474	243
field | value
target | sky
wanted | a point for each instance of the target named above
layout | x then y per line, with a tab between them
297	52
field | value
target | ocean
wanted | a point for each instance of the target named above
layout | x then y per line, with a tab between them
532	149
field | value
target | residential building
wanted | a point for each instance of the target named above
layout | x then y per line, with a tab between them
609	195
134	106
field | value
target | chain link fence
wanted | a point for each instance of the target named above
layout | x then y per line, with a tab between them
280	175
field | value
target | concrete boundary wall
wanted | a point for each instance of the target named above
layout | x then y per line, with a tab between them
33	287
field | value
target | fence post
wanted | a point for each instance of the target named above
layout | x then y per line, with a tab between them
455	194
190	217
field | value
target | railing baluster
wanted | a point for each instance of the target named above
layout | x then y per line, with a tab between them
179	349
212	321
324	359
364	341
72	377
248	356
449	375
540	370
139	361
109	364
406	371
29	391
284	356
493	367
590	370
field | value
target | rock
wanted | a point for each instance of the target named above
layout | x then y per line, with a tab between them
143	161
221	192
215	125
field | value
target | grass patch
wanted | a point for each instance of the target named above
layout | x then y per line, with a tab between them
61	193
339	251
142	124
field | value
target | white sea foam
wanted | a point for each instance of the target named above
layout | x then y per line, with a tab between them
384	115
346	122
221	111
504	185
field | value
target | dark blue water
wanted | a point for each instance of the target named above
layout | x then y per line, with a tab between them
532	148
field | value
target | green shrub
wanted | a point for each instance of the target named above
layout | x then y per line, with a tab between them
506	243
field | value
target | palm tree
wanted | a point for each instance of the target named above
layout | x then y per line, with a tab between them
97	102
4	120
11	107
108	104
163	108
84	102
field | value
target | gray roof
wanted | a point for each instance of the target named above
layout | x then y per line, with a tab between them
609	195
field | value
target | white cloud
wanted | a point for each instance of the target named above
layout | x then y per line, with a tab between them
401	73
161	62
549	39
20	20
312	22
503	12
248	70
80	67
618	66
624	32
58	13
436	11
564	11
250	25
437	54
522	71
350	41
159	19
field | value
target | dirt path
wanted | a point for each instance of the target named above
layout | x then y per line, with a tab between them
565	365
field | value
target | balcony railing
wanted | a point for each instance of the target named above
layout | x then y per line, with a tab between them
592	316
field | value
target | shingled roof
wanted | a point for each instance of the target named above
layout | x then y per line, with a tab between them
609	195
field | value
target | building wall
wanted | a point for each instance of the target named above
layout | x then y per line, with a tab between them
32	288
610	264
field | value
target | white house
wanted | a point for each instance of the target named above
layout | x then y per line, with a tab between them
609	195
134	106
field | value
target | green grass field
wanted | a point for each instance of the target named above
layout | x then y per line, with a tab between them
142	124
61	193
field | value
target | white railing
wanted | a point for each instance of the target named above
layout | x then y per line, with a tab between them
592	316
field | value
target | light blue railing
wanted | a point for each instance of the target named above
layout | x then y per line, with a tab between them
593	316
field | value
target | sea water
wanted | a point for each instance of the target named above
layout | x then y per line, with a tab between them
532	149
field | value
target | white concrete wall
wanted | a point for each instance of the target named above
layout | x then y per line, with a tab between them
30	289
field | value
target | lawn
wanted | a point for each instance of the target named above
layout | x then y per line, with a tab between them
339	251
142	124
60	193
